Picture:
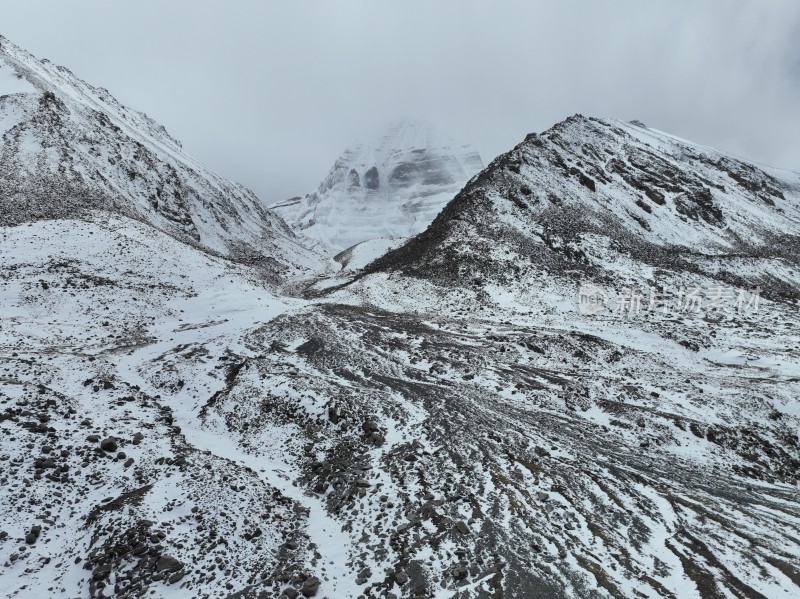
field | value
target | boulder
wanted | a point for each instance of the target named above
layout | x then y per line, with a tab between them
310	586
109	444
167	563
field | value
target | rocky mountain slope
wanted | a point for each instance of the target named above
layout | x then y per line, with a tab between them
629	449
659	200
68	147
107	490
447	421
388	187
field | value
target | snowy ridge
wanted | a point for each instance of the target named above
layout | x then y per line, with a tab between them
549	198
68	146
389	187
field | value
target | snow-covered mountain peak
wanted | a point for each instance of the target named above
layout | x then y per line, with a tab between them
403	136
392	185
21	72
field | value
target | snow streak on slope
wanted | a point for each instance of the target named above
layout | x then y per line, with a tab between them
68	146
389	187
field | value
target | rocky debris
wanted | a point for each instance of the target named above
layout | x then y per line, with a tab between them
168	564
33	535
373	433
123	553
529	483
310	586
109	444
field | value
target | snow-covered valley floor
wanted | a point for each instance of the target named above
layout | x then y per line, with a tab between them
172	425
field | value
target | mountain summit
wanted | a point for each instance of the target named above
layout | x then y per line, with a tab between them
389	186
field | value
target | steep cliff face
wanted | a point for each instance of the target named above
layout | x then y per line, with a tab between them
68	147
391	186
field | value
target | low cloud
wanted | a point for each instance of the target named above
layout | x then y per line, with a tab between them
270	93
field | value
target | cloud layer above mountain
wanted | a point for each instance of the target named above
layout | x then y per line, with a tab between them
270	93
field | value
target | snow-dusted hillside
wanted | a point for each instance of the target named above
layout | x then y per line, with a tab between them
652	196
68	146
107	486
441	421
172	426
388	187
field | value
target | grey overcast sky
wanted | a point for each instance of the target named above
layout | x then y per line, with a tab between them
269	93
